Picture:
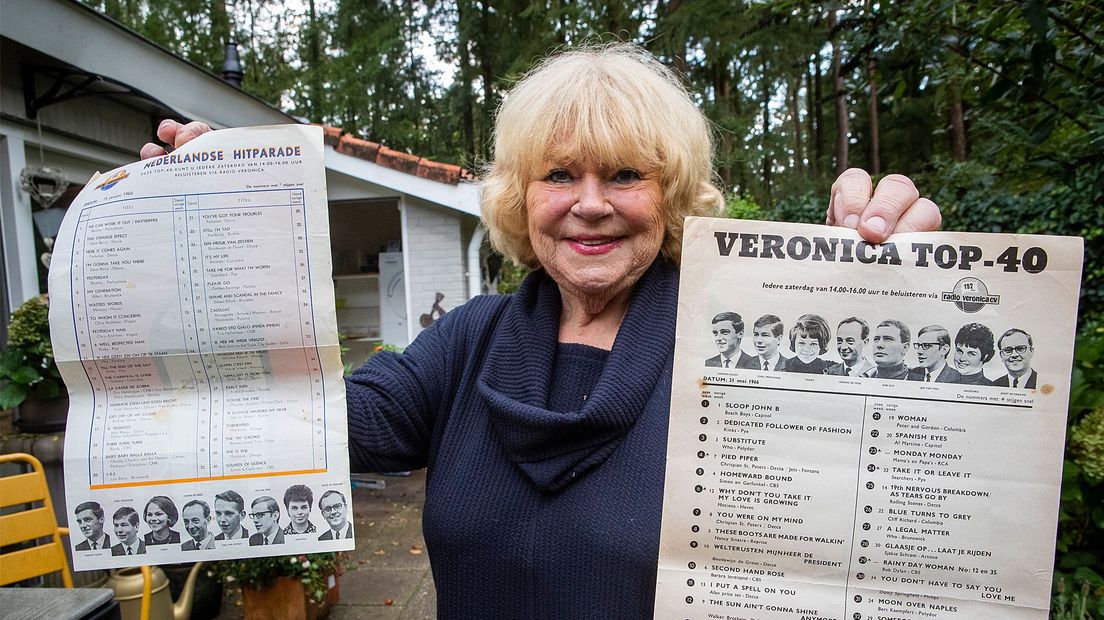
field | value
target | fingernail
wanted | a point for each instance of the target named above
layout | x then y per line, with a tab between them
851	221
162	123
876	224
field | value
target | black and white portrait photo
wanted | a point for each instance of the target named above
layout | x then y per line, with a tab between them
973	348
126	522
336	513
809	340
298	500
852	338
1016	348
265	513
229	512
767	338
90	520
891	344
161	515
196	516
728	332
932	345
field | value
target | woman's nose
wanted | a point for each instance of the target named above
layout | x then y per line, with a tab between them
591	201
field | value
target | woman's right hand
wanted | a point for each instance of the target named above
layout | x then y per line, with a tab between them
174	134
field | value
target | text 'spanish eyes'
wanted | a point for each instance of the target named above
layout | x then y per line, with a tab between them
627	175
559	176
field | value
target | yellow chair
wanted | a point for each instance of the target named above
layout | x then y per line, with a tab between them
30	525
35	524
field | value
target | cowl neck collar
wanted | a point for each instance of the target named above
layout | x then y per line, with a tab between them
554	448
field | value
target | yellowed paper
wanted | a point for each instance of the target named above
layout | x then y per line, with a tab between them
901	454
192	317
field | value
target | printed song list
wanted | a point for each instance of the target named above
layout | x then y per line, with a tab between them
820	512
187	388
865	432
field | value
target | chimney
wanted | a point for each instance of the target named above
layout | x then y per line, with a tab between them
232	69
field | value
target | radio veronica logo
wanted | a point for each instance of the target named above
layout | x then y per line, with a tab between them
970	295
112	180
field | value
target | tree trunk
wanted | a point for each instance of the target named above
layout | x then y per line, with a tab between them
795	114
958	126
467	121
812	104
842	130
314	68
875	144
723	92
767	163
486	65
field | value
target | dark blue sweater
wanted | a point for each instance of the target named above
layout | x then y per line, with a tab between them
530	512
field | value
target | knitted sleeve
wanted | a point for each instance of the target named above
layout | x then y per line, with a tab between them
395	400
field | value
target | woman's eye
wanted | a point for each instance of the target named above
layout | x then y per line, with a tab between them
628	175
559	176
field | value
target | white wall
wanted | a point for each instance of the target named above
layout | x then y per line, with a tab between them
435	259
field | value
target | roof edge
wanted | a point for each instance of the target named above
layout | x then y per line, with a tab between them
381	155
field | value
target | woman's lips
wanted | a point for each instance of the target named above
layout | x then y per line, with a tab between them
592	246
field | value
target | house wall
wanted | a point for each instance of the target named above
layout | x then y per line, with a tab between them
435	259
102	120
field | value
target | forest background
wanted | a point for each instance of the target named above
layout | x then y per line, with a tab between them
994	107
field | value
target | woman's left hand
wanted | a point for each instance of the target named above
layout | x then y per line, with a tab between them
895	206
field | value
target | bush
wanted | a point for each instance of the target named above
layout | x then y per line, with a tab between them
1078	583
27	365
742	208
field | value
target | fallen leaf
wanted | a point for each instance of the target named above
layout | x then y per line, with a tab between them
388	601
380	552
415	550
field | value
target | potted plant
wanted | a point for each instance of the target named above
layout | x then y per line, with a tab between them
29	378
290	587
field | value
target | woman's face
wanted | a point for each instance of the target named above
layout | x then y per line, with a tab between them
968	359
595	230
806	347
299	512
156	518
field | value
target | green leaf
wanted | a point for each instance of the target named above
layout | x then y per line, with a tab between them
1086	573
25	375
12	395
899	89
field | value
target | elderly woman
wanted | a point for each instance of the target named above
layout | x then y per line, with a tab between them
161	515
542	416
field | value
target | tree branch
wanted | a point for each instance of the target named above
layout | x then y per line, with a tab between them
984	65
1061	19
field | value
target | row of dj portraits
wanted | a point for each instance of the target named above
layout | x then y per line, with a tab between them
210	525
888	349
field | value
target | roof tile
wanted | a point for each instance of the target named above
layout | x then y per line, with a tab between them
331	135
362	149
438	171
395	160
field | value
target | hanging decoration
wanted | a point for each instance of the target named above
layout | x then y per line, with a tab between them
44	184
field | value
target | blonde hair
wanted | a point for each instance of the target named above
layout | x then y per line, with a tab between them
614	105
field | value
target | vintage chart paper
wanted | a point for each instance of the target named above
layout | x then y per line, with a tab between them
920	479
192	317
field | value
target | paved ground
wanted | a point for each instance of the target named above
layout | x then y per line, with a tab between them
388	576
